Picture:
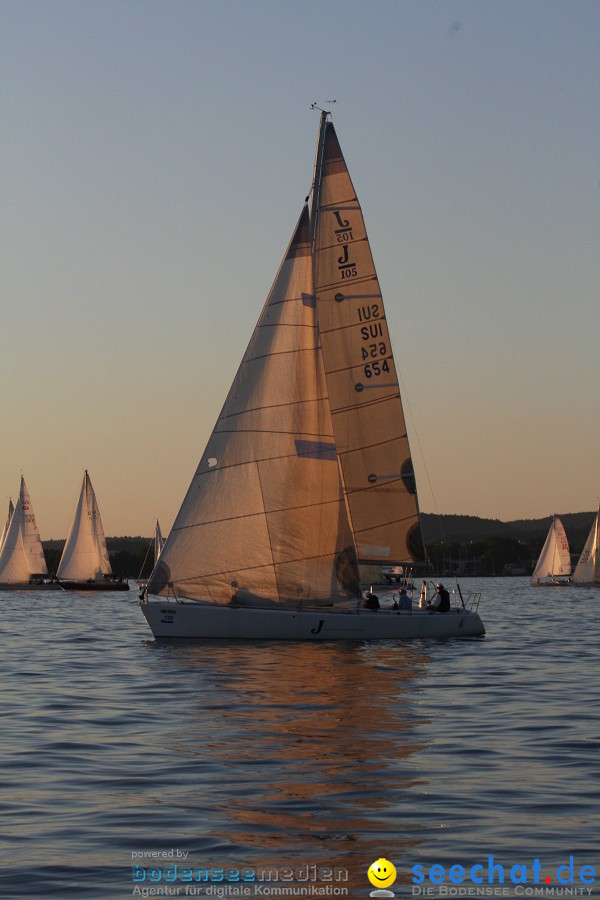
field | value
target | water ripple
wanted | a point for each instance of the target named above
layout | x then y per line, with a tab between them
278	754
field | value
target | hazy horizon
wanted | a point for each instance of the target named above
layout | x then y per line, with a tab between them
156	157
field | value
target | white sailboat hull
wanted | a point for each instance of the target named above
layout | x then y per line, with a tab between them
192	620
552	582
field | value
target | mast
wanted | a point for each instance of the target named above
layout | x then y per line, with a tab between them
318	175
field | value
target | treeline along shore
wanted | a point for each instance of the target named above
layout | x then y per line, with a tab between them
466	545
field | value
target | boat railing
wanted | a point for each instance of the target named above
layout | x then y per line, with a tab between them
472	601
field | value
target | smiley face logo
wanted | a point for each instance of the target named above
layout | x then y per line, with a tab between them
381	873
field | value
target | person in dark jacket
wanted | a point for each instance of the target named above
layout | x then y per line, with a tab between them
371	601
441	601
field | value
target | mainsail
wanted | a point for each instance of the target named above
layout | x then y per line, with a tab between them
587	570
22	555
11	509
85	556
362	384
555	558
264	519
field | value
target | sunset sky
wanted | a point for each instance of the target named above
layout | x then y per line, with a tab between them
155	157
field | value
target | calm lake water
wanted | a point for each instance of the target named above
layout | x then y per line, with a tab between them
290	756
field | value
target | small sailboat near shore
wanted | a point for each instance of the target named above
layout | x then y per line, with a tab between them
553	568
11	510
22	562
307	473
84	564
587	570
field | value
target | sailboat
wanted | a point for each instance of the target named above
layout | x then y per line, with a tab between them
84	564
22	562
158	543
587	570
553	568
11	510
307	473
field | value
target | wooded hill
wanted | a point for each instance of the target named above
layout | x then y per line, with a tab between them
469	545
466	543
532	532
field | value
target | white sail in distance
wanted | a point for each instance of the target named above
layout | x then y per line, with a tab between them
264	519
555	558
362	383
22	554
85	556
587	570
158	541
11	509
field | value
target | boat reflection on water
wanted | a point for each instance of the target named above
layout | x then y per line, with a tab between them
314	746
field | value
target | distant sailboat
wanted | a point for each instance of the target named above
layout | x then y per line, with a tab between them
22	562
587	570
11	509
308	470
158	542
84	564
553	568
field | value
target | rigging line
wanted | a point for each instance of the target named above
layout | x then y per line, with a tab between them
373	401
250	359
246	462
293	299
355	242
387	522
262	513
202	579
277	431
357	449
252	409
145	558
268	527
437	512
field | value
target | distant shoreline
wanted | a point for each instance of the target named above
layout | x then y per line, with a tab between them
467	545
